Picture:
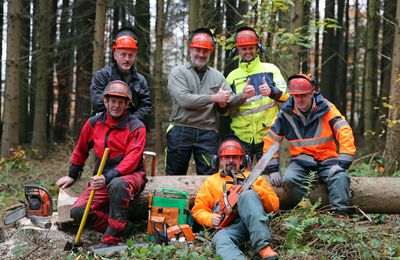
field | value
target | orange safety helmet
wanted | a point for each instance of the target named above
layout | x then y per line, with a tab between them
230	147
246	37
202	38
301	84
125	42
118	88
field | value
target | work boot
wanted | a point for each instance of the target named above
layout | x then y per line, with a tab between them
268	254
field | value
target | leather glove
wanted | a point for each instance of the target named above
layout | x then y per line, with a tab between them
276	179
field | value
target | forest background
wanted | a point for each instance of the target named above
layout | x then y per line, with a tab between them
52	48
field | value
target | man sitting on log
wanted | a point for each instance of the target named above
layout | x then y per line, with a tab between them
125	136
312	124
252	221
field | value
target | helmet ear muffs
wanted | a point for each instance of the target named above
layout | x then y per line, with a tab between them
246	162
215	162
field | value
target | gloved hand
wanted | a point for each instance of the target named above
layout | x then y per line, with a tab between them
276	179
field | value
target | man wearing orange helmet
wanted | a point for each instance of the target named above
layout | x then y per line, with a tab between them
263	86
253	222
312	124
198	92
124	50
122	178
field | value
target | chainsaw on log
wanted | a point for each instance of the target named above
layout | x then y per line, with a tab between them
229	198
38	206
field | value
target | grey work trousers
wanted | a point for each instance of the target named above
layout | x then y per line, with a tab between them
337	183
252	225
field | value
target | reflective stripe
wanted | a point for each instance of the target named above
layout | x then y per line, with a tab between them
280	82
255	110
305	157
318	132
276	138
313	142
346	157
254	98
291	122
339	124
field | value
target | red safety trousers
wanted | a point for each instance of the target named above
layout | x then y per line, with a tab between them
109	209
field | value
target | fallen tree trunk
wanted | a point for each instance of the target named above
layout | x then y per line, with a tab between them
370	194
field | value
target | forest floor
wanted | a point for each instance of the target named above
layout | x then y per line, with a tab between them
304	233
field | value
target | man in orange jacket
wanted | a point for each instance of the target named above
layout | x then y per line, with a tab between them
252	222
312	124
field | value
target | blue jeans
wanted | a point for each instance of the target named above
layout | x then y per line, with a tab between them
338	185
182	141
252	225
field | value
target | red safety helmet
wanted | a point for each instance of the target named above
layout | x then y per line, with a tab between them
246	37
230	147
125	42
202	38
118	88
301	84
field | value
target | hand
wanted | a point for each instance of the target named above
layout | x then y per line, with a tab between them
65	182
221	97
249	90
276	179
98	182
265	90
216	220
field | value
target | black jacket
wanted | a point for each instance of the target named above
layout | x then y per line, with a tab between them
142	105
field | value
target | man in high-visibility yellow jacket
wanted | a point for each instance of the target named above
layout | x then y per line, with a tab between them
262	84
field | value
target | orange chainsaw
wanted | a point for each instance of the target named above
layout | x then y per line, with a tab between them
229	198
38	204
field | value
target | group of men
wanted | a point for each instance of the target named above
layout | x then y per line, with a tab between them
249	96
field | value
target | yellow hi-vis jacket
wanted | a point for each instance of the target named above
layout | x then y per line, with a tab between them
251	121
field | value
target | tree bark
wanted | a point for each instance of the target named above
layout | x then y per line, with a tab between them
98	41
83	18
39	138
366	193
194	15
392	150
10	129
369	76
64	63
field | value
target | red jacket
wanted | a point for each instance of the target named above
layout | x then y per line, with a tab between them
312	139
125	138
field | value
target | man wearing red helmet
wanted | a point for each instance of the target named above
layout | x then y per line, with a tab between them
312	124
124	50
198	92
122	178
263	86
253	222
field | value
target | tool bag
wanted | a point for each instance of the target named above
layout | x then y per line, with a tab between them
167	207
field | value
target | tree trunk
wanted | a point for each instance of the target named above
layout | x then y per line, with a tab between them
387	52
392	150
142	27
194	15
369	76
158	77
10	129
328	70
24	92
98	42
39	138
354	72
1	47
366	193
296	21
84	23
316	52
64	58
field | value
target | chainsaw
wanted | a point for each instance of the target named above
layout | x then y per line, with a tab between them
39	204
229	198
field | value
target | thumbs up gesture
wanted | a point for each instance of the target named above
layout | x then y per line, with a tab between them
265	90
221	97
248	90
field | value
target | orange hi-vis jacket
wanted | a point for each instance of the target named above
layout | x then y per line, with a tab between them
312	139
211	191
